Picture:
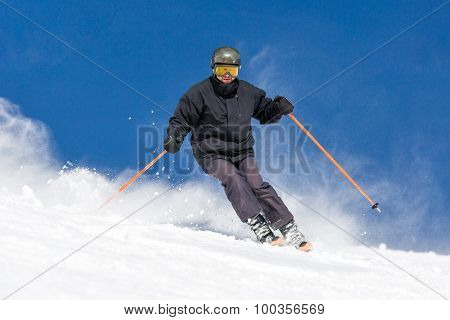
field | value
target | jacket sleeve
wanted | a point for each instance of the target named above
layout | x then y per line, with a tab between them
186	115
266	110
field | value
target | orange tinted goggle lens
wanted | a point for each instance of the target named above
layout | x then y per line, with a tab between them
223	70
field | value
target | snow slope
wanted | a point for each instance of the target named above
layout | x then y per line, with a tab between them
141	259
182	243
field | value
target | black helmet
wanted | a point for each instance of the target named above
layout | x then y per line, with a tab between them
225	55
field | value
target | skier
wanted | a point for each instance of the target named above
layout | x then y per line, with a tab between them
218	111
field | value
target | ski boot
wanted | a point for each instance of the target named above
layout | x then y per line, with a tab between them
262	231
294	237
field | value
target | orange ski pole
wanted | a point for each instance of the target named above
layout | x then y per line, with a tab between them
325	152
137	175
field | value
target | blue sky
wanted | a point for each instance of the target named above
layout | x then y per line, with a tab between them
391	111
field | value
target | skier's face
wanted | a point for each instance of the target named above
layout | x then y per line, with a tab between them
227	78
226	73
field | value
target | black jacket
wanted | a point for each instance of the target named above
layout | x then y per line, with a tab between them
219	117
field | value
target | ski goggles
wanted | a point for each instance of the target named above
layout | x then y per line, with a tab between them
221	70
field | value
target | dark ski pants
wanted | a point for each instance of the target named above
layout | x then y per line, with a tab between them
247	192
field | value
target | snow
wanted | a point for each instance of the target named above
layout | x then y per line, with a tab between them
172	243
145	258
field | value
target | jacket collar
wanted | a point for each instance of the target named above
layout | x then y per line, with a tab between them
224	90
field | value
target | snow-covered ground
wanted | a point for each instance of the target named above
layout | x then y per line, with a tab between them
184	243
145	259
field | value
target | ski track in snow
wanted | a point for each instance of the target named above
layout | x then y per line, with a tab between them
143	260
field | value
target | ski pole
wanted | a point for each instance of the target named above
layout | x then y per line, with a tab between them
325	152
137	175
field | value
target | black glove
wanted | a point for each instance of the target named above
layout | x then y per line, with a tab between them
172	143
284	106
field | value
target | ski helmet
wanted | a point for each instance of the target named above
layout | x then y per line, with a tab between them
226	55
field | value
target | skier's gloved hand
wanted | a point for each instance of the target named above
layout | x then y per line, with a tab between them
172	143
284	105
